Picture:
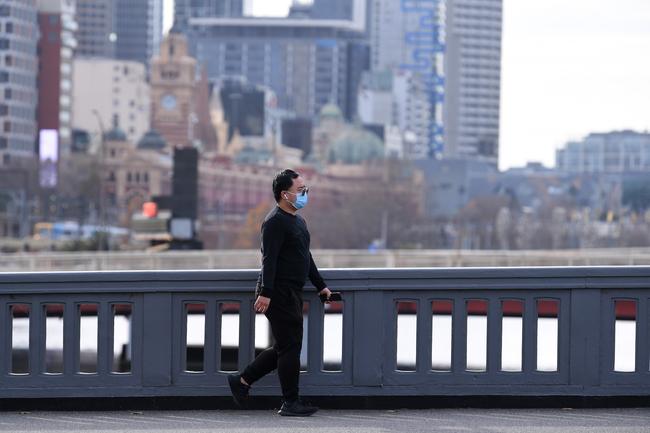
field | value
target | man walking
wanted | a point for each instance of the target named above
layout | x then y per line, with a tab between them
286	265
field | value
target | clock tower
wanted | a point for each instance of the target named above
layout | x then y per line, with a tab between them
173	92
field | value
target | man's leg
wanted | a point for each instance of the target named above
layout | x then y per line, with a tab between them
283	355
288	343
240	384
263	364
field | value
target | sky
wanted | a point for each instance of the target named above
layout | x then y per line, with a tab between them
569	68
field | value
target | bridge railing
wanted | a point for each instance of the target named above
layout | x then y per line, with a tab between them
479	331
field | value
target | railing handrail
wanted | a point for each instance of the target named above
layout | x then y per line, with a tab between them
578	277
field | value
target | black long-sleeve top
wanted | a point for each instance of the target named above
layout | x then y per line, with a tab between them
286	259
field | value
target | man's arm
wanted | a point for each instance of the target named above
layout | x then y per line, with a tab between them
272	239
314	275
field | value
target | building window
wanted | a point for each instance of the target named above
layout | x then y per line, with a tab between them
54	20
9	27
146	178
137	177
7	126
4	12
8	94
129	177
4	44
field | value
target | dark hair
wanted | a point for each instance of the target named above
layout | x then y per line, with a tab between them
283	181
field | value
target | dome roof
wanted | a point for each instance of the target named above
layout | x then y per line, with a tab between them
356	145
115	134
331	111
152	140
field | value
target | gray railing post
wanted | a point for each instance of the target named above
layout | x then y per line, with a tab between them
156	350
585	344
36	322
367	353
246	333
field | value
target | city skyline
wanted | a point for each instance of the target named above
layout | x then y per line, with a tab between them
569	69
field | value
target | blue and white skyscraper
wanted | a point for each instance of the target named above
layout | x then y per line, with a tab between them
408	37
451	49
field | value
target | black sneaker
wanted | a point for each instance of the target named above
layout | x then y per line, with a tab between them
296	408
239	390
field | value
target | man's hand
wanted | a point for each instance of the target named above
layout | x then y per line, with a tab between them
327	292
262	304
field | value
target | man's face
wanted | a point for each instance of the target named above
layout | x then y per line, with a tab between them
295	190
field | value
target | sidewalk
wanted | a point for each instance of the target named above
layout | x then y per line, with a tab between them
357	421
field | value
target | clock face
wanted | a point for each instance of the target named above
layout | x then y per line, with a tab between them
168	102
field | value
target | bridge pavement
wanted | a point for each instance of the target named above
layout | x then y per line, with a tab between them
337	421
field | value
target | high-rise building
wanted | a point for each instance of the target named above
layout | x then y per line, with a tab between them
452	48
243	108
307	63
19	36
388	48
97	35
407	38
297	133
122	95
186	9
376	100
119	29
56	47
396	98
138	25
473	78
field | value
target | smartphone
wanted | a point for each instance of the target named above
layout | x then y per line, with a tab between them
334	297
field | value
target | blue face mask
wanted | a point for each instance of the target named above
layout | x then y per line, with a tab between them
301	200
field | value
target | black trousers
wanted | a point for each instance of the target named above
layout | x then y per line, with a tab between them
285	317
